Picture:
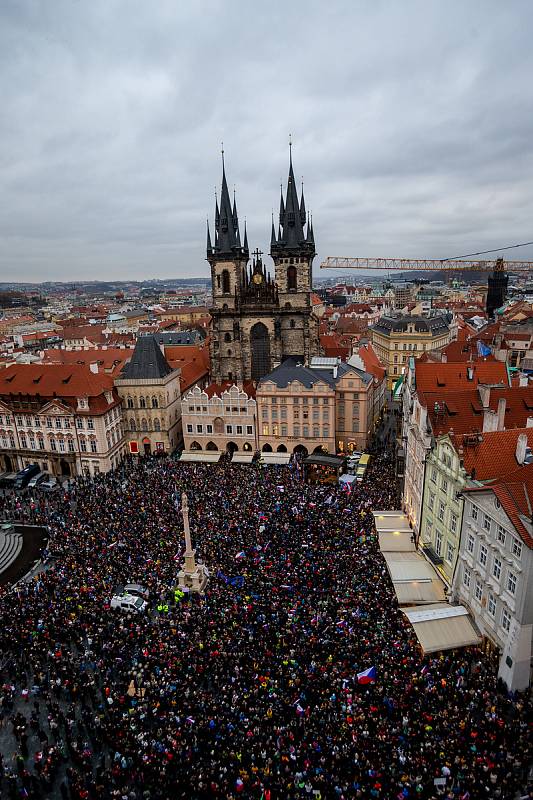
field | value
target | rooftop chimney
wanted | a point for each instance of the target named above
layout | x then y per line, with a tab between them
444	358
484	394
501	413
470	373
521	447
490	420
93	366
529	422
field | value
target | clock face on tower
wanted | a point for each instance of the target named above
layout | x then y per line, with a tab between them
257	278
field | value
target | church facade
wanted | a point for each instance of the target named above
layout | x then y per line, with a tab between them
258	321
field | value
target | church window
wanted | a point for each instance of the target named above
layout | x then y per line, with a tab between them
142	402
291	278
225	282
144	425
218	281
157	425
155	402
293	324
132	424
227	337
229	353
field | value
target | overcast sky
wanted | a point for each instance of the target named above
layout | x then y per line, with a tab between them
411	123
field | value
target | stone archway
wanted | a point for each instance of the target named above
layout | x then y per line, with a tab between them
196	446
281	449
260	350
211	446
267	448
247	447
300	450
319	449
231	447
64	466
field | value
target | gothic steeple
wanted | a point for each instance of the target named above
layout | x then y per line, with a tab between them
209	247
227	234
292	239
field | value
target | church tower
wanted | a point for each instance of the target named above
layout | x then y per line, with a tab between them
257	322
293	251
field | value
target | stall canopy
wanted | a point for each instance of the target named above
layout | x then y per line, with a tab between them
442	627
211	457
414	580
278	459
325	460
242	458
391	541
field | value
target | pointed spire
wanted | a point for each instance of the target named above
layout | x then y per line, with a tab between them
292	238
209	247
228	237
281	206
302	207
273	232
234	212
245	244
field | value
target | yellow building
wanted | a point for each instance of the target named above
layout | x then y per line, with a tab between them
395	339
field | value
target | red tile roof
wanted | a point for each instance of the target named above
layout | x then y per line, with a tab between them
462	411
372	363
515	493
63	382
436	377
494	456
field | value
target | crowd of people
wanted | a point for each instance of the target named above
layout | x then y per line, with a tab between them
251	690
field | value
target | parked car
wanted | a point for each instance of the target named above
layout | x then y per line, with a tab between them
50	485
128	602
25	475
37	479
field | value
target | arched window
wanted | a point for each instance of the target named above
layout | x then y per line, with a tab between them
291	278
229	353
225	282
144	425
133	427
130	402
293	324
157	425
155	402
142	402
227	337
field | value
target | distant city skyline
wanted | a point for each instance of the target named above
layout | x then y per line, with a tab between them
410	125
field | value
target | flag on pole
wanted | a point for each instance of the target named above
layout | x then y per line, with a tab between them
367	676
240	555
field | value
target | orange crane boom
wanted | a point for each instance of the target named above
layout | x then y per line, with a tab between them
425	264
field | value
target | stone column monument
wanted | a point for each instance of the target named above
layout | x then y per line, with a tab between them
192	576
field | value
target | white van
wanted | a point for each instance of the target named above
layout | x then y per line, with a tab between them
127	602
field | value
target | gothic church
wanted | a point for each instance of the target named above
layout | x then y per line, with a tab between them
257	321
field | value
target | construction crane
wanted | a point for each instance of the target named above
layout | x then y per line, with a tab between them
425	264
496	282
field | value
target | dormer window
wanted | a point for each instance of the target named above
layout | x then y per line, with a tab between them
109	397
83	402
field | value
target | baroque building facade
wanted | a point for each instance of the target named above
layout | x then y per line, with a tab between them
259	321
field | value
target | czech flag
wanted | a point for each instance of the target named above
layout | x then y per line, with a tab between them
240	555
368	676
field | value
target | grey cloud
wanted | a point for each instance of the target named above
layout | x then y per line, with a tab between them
411	127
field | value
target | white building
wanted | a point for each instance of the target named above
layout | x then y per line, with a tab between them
494	574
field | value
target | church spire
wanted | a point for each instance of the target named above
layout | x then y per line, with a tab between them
227	234
209	247
292	239
273	233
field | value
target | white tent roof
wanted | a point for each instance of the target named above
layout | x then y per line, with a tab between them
404	567
205	456
242	458
275	458
442	627
419	592
396	541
